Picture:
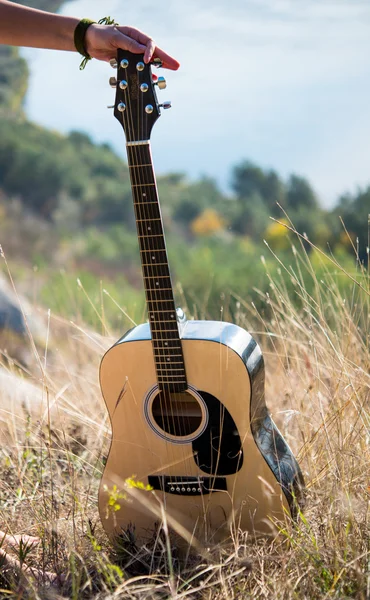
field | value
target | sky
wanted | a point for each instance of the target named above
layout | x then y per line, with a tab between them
283	83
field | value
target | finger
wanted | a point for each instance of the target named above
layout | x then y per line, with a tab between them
127	43
168	61
135	34
149	51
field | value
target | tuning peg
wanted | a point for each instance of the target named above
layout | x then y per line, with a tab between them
113	63
166	104
156	62
111	106
161	83
112	82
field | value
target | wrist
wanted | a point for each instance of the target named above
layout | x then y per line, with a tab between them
80	37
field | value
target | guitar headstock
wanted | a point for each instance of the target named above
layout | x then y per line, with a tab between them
136	106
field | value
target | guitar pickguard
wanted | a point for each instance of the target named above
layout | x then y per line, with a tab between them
218	451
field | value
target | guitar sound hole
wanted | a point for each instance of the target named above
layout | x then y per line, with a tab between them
177	414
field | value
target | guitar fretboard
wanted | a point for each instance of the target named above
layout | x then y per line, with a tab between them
167	349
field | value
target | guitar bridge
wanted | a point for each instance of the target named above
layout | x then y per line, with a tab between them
187	486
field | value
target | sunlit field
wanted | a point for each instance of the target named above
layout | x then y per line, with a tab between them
55	436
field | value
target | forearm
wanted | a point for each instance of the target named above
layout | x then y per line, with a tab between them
24	26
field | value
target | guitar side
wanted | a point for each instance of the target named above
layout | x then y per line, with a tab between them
259	480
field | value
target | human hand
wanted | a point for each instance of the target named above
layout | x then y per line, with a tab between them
102	42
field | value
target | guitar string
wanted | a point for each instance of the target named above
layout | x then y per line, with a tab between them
182	417
133	159
163	371
166	329
158	329
146	241
182	421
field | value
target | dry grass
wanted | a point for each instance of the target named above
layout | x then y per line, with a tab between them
54	434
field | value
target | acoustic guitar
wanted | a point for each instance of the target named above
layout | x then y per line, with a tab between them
185	397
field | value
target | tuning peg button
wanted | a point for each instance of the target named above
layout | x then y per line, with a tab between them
157	62
113	63
112	82
161	83
166	104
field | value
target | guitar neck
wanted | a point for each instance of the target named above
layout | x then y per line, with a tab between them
167	348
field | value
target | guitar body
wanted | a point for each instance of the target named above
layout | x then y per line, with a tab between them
245	482
185	399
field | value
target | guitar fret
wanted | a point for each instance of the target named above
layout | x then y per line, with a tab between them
151	235
141	185
159	362
164	329
167	356
166	321
154	250
168	349
166	339
162	311
167	310
150	296
170	379
156	301
163	380
164	368
150	219
146	165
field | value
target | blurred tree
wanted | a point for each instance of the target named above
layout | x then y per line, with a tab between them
354	211
13	80
249	180
251	216
41	166
195	198
300	193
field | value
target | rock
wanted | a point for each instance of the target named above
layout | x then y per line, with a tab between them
14	337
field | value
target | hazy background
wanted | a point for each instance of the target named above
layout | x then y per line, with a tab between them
284	83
